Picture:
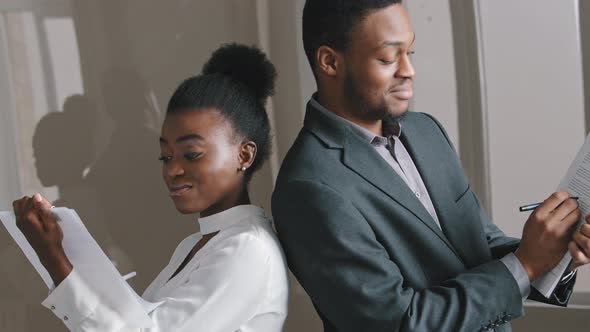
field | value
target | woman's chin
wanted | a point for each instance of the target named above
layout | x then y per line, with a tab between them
187	209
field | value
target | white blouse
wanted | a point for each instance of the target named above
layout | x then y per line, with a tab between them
237	282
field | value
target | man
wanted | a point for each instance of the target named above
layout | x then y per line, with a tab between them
373	208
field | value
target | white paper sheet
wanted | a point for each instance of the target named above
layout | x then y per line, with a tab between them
92	264
577	183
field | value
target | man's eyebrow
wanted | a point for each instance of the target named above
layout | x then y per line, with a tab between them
390	43
184	138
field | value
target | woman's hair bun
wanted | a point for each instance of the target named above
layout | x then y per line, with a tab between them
245	64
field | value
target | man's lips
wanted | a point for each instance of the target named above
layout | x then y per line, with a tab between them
179	190
403	92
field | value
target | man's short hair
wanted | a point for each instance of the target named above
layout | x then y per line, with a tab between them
329	22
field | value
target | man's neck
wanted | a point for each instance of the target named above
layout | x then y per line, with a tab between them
343	110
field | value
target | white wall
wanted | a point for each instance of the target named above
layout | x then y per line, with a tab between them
8	170
434	85
534	102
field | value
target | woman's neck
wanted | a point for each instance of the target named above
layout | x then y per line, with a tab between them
241	198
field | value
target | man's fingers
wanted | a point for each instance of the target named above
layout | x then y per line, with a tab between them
583	242
578	255
565	209
551	203
568	223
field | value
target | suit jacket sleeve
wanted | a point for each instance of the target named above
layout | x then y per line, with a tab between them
501	245
337	258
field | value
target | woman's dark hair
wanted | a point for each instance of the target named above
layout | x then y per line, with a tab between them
237	80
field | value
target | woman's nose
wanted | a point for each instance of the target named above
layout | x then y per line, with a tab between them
174	168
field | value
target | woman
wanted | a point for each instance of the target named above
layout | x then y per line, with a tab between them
231	276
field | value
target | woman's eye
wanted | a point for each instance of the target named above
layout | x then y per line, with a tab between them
192	155
386	62
165	159
411	52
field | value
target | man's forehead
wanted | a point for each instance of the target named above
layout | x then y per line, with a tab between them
386	27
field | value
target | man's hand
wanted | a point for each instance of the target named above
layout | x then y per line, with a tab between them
579	246
547	233
40	228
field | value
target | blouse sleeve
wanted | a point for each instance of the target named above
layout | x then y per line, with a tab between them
220	294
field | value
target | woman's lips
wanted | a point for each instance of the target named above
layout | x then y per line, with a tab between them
177	191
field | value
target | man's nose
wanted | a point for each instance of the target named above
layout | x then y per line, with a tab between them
406	69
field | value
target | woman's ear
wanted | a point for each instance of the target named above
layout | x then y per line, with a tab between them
247	155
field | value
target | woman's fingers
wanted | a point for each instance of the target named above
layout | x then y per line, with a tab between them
18	205
43	208
27	219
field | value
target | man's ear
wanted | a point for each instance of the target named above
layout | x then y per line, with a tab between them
247	154
328	61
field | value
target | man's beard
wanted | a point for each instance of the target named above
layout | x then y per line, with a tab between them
362	106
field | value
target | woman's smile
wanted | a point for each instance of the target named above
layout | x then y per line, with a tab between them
179	190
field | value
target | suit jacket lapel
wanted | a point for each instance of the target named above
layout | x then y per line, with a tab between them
359	156
431	162
362	158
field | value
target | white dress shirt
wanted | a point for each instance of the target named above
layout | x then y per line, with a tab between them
237	282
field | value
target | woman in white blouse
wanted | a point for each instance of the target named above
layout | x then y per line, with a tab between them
231	276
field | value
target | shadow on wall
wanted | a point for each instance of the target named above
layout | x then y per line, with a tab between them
63	146
63	150
127	182
120	195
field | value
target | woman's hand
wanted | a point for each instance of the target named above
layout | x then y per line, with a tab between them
40	227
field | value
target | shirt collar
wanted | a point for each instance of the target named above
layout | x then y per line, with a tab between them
391	127
228	218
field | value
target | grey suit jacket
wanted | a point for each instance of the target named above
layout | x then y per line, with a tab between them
366	250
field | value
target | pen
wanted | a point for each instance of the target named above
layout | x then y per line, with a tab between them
530	207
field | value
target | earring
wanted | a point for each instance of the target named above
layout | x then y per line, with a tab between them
243	169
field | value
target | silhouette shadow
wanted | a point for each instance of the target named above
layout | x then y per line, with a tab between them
126	177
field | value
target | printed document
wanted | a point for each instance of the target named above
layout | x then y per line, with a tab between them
577	183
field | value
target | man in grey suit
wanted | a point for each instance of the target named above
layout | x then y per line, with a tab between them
373	209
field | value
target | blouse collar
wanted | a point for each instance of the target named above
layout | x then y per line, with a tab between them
227	218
